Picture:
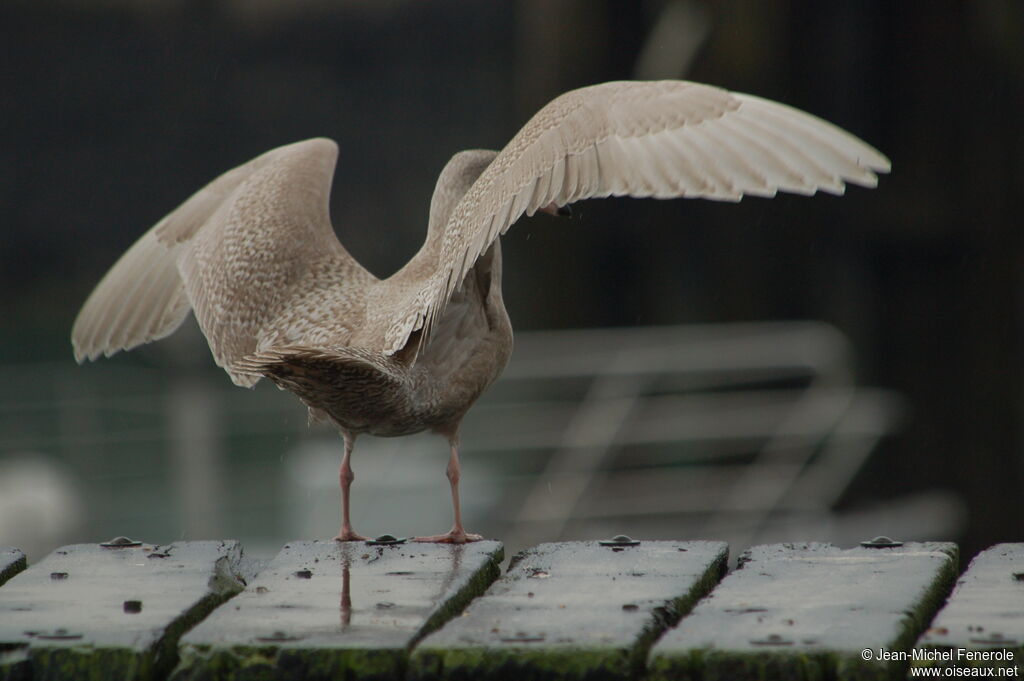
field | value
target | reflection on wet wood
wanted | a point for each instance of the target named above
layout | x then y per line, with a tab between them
324	610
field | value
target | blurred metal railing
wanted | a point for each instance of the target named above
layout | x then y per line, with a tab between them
742	432
713	430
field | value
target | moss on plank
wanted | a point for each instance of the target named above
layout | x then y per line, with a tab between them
213	662
15	563
523	664
259	663
90	663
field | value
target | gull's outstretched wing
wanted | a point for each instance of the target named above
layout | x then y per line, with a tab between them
253	253
661	139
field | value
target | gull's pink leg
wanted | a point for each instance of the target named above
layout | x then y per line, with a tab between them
345	477
458	534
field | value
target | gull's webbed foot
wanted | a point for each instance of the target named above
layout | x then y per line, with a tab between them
349	535
455	536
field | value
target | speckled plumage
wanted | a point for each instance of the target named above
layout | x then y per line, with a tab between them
276	294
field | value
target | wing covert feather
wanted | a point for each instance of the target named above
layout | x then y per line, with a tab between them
253	254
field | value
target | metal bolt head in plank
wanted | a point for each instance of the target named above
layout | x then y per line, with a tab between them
386	540
984	614
574	610
810	611
881	542
619	541
120	543
12	561
89	621
325	610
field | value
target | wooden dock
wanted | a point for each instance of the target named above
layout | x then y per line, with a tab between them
576	610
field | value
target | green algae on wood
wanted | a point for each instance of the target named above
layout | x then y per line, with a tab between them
12	561
573	610
89	612
324	610
982	623
810	611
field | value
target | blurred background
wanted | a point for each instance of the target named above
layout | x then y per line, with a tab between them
789	369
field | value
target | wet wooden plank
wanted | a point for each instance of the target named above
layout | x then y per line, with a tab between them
324	610
573	610
88	612
809	611
12	561
982	623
